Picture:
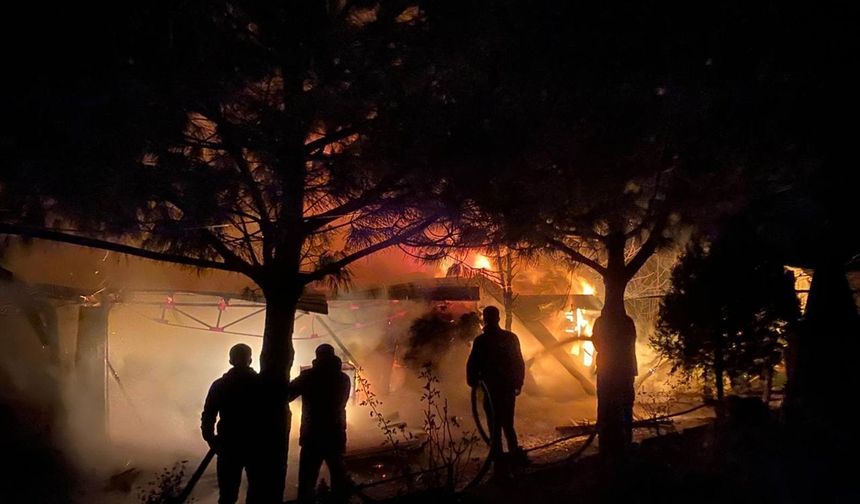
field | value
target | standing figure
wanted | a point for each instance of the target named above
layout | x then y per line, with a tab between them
497	360
324	390
235	398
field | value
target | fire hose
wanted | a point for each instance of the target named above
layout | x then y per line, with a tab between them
359	489
483	433
476	416
592	434
488	439
491	414
189	487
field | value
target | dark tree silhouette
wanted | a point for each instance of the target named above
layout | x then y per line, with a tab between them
728	313
591	132
596	131
227	135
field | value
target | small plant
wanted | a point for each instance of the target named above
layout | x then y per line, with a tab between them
166	486
656	404
392	431
449	445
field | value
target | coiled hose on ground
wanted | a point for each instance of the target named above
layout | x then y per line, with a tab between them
359	489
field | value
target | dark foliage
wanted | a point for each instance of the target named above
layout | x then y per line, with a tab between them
728	312
431	336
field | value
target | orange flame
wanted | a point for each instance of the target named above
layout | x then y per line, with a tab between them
587	353
482	262
578	324
586	287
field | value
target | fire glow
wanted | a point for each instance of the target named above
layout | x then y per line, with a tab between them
581	326
482	262
587	288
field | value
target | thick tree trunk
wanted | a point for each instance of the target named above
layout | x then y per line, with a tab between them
615	393
615	342
276	360
828	342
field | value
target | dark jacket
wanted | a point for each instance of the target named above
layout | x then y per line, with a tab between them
324	390
235	397
496	359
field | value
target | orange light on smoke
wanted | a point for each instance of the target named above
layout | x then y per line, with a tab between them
583	326
586	287
577	323
482	262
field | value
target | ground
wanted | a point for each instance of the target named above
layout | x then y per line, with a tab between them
749	457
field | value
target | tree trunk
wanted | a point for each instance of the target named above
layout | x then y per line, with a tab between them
719	371
615	342
509	310
828	342
707	393
276	359
506	273
718	377
768	386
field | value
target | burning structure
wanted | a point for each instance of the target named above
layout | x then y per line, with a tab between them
141	360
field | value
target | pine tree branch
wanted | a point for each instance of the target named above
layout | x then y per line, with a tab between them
46	234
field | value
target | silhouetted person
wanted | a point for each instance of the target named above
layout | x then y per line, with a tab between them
324	390
496	360
235	399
